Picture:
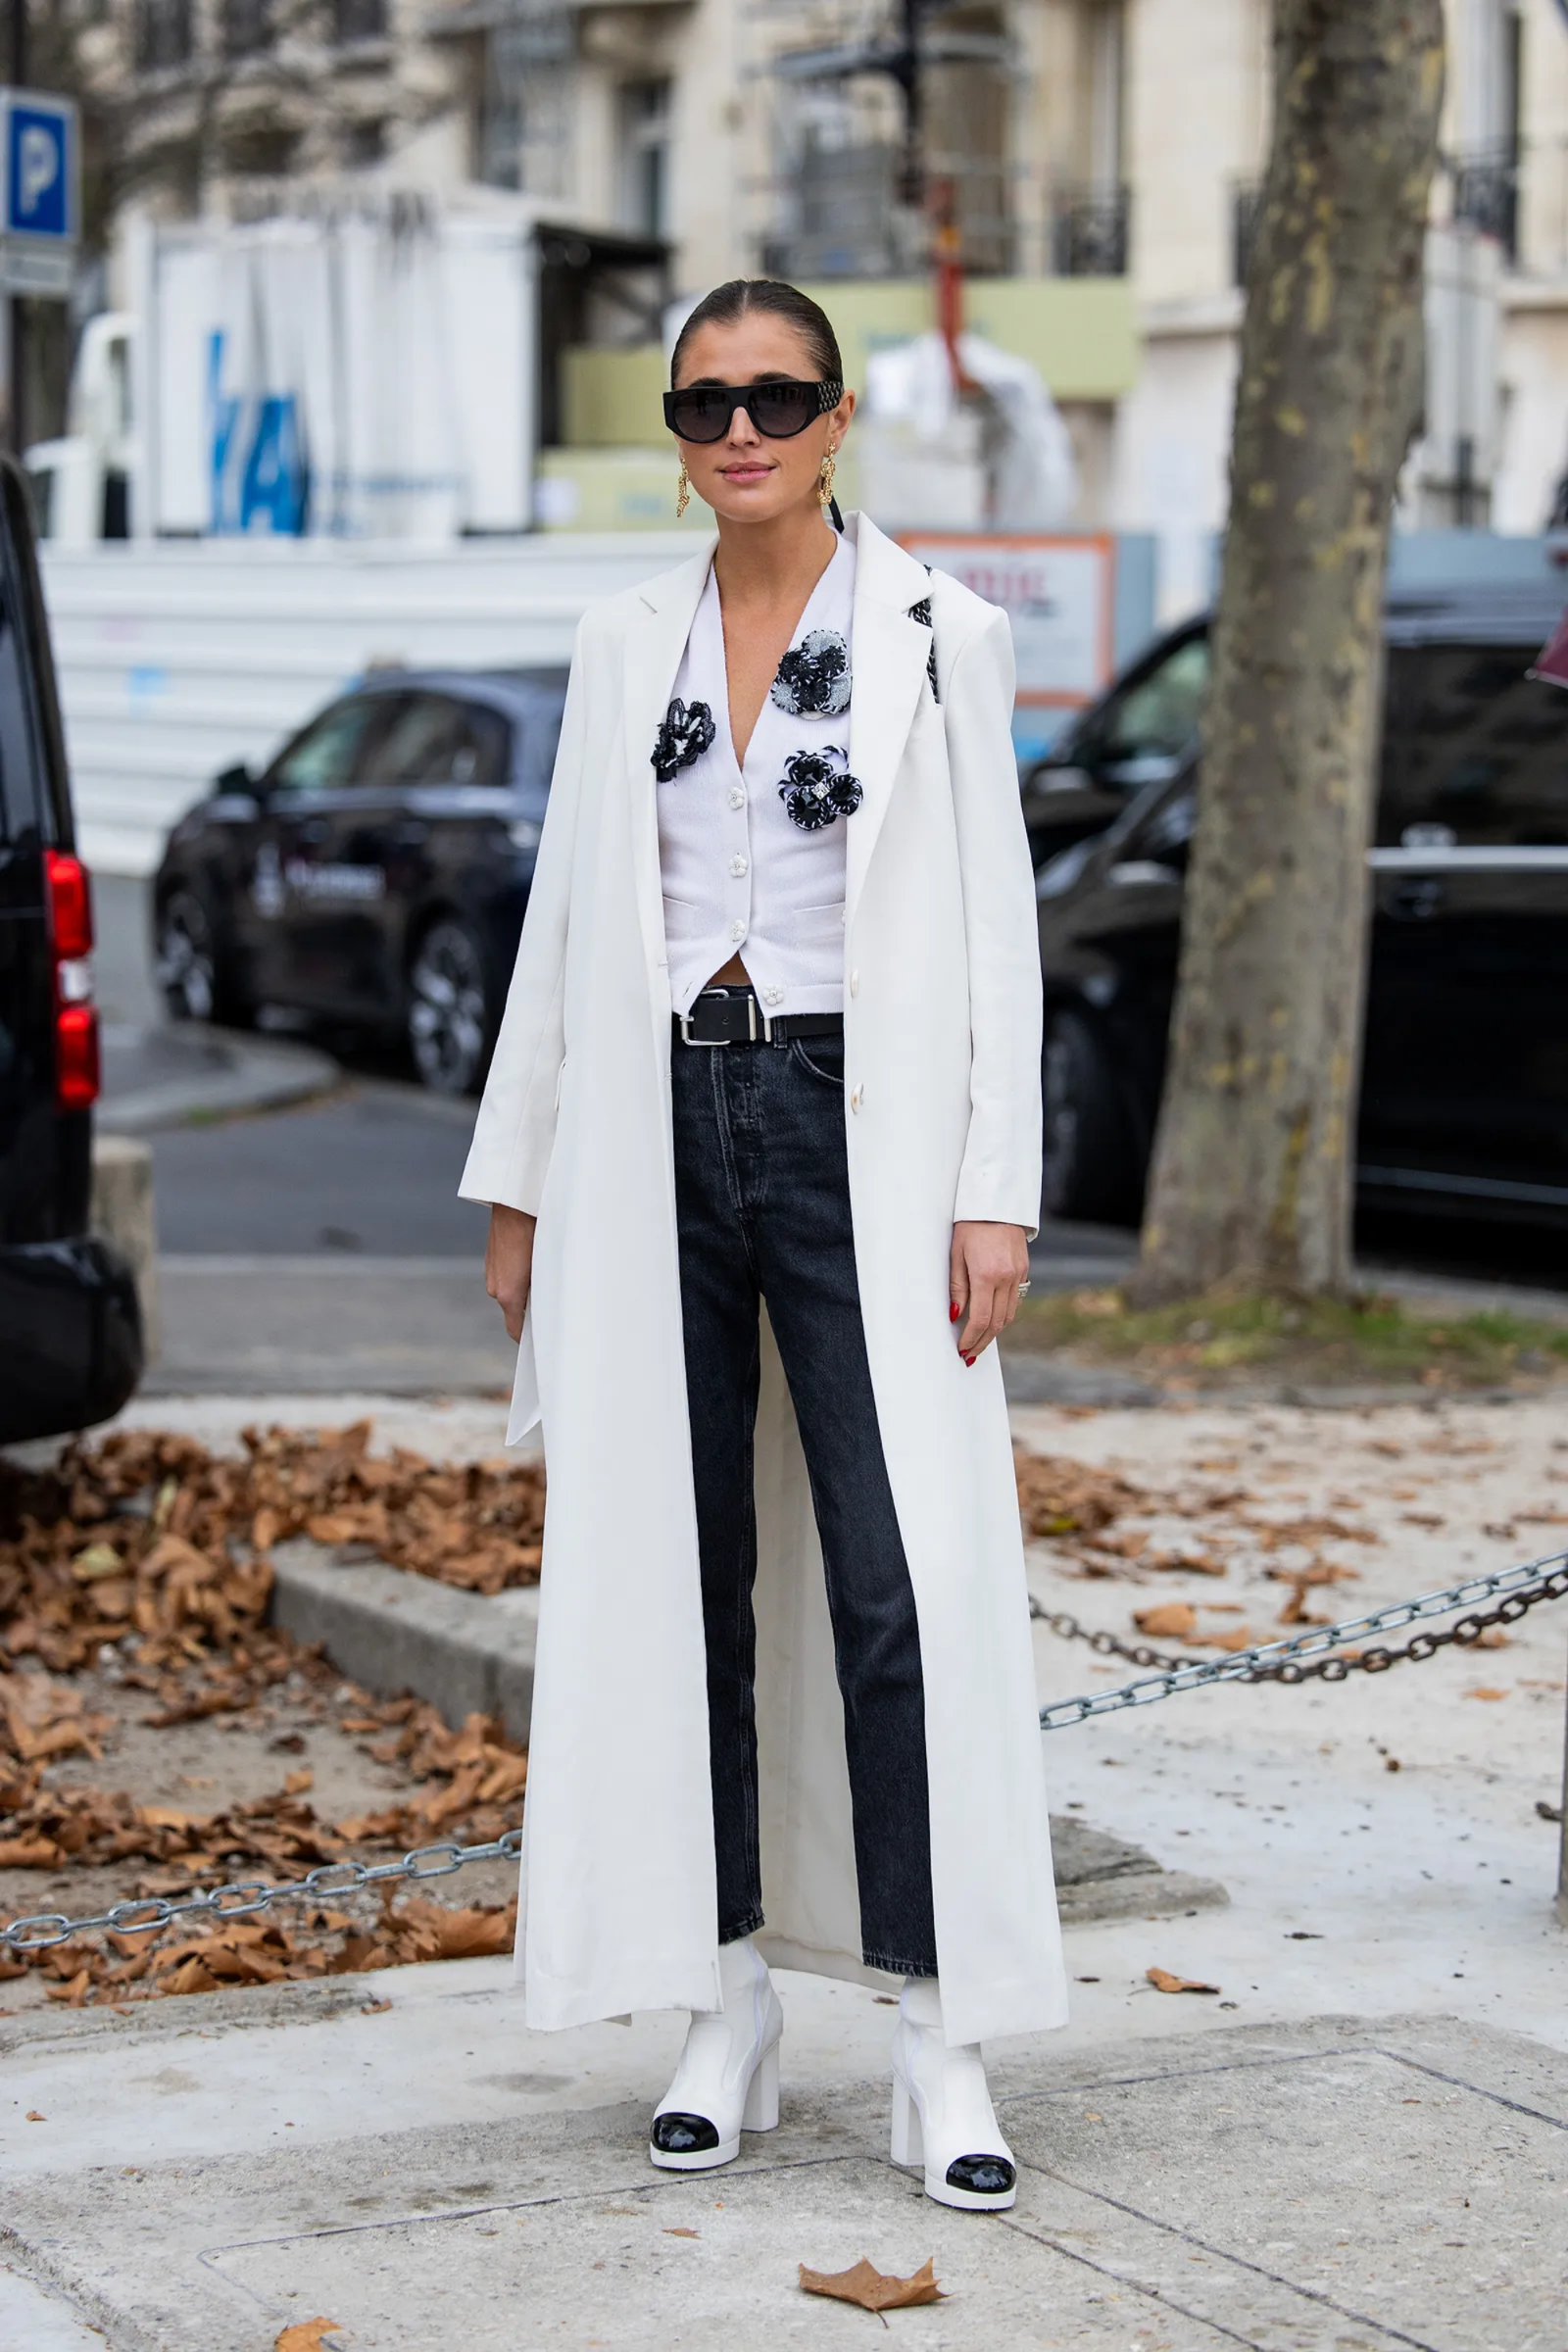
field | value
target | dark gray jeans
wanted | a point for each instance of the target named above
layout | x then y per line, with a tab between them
762	1204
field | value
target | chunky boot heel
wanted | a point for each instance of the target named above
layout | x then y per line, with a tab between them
728	2078
942	2119
761	2112
907	2147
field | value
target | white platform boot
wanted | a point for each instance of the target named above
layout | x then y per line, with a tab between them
728	2078
943	2118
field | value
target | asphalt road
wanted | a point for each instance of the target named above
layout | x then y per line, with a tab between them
372	1171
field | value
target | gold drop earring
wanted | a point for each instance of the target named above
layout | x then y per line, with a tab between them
683	492
825	480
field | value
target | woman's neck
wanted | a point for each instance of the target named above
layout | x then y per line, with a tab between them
773	563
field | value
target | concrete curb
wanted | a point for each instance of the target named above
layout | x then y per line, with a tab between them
166	1076
468	1654
394	1631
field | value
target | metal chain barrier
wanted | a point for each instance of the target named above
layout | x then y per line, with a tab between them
1303	1657
243	1896
1309	1657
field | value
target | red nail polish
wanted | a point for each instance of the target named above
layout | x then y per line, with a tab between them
952	1312
968	1359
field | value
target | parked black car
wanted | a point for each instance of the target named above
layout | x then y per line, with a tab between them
71	1346
1464	1100
377	872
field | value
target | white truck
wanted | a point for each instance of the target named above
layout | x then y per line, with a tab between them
370	365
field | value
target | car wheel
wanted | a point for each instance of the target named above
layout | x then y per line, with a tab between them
188	969
449	1010
1091	1167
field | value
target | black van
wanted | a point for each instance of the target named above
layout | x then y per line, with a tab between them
1464	1098
71	1347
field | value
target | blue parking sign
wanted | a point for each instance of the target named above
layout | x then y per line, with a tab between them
41	167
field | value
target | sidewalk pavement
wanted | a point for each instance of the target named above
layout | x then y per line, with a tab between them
1357	2141
158	1074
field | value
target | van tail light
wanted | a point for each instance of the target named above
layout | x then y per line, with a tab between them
69	896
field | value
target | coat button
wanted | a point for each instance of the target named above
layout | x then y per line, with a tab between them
737	798
737	930
737	866
858	1097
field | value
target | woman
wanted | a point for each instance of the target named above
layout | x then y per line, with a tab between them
761	1140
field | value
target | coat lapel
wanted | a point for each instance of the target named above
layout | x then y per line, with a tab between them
655	644
890	656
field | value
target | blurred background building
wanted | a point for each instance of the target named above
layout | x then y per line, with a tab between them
1099	160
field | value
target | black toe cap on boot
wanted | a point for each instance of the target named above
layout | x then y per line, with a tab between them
690	2134
981	2176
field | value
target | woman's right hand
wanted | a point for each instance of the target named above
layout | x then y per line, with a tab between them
509	1263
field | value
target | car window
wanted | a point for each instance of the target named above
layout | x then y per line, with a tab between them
1165	834
1477	756
19	765
441	739
33	797
328	754
1150	726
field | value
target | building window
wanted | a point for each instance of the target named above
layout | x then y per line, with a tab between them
246	27
645	158
1483	169
163	34
358	20
1088	231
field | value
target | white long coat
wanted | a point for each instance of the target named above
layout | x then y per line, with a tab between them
941	1107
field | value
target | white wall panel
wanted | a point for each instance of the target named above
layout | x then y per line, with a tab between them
176	660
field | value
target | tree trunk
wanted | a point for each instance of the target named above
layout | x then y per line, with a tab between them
1252	1179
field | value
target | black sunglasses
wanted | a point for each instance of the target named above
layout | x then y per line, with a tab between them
781	410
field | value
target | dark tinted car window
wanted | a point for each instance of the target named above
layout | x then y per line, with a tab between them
328	754
440	739
1477	754
33	797
19	765
1154	719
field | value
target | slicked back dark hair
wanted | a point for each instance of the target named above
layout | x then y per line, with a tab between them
731	301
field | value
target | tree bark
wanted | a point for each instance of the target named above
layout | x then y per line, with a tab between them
1251	1181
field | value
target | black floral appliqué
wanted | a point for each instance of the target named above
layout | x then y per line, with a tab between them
817	787
684	737
923	614
814	677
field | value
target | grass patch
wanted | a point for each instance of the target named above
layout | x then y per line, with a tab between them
1368	1336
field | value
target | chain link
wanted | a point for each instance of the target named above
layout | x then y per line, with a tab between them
243	1897
1311	1655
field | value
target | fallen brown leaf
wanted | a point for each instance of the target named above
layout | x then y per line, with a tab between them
1169	1621
307	2335
33	2117
1163	1982
1484	1690
874	2290
680	2234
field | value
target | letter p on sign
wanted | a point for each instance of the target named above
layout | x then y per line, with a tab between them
37	167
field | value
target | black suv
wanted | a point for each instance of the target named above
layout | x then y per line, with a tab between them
1464	1098
71	1346
377	872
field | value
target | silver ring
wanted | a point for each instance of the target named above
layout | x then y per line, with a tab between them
1023	1286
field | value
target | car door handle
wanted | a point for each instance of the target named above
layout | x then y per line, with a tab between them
1419	899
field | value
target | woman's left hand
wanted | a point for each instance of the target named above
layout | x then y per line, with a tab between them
987	1268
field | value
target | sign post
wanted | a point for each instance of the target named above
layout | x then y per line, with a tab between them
40	209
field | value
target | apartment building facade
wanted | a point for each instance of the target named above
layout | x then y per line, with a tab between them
1101	159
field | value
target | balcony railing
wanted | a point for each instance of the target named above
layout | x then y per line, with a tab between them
163	34
1089	231
1486	192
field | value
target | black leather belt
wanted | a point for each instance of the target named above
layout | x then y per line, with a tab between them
732	1017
